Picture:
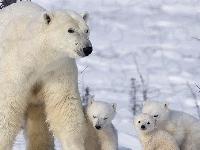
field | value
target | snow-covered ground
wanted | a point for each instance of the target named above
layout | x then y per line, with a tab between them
158	35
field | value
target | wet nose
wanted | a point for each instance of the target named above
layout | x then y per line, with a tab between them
143	127
98	127
87	50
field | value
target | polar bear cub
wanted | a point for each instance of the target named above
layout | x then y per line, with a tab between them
101	134
151	137
184	127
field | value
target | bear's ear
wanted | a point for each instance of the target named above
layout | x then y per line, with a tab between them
47	17
85	16
166	104
90	101
114	106
144	103
134	117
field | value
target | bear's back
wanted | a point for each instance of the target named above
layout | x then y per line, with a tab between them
183	119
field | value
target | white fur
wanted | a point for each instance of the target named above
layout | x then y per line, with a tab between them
184	127
101	134
37	66
151	137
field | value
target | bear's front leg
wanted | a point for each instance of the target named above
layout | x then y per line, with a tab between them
108	138
38	136
13	103
64	112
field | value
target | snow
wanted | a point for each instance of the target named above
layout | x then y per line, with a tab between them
159	35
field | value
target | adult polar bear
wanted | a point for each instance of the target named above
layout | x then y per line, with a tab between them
37	51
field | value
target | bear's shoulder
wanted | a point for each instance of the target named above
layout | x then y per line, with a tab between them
18	13
16	10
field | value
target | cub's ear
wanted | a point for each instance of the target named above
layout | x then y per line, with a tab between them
90	101
165	104
144	103
134	117
47	17
85	16
114	106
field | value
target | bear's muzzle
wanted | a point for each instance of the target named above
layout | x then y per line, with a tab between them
87	50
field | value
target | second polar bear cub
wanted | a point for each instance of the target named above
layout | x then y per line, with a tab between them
101	134
151	137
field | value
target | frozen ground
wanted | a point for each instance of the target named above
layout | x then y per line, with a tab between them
158	35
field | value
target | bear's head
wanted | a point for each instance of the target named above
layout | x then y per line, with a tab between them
158	110
144	123
100	114
67	33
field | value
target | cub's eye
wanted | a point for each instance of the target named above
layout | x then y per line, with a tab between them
71	31
138	121
87	31
155	116
148	122
94	116
105	118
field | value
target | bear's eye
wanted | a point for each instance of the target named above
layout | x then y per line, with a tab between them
94	116
138	121
87	31
71	30
155	116
105	118
148	122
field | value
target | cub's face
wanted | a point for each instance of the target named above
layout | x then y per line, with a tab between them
144	123
100	113
158	110
68	33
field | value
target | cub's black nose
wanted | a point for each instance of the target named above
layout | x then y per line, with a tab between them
143	127
87	50
98	127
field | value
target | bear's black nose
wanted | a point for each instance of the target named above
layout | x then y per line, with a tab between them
143	127
98	127
87	50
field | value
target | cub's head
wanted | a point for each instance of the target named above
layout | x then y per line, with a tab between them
144	123
67	33
100	114
158	110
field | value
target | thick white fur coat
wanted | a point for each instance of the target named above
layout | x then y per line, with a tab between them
37	66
